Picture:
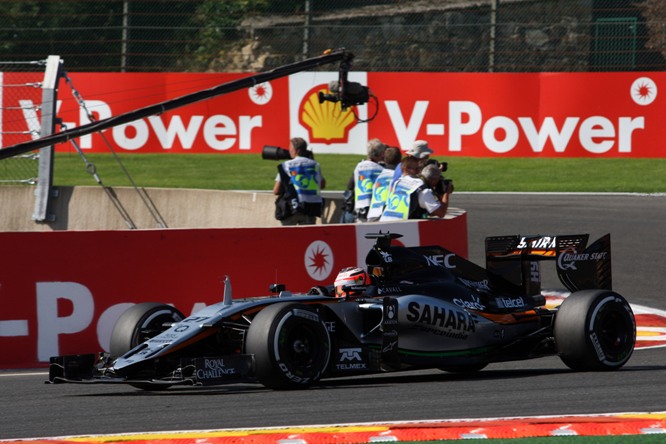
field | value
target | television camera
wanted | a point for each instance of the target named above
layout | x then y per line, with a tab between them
349	94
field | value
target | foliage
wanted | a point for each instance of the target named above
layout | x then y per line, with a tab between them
155	31
218	24
34	29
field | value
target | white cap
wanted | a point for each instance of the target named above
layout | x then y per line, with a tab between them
420	149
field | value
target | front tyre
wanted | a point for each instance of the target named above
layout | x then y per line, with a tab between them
290	344
595	330
139	323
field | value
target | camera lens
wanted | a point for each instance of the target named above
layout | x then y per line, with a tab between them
274	153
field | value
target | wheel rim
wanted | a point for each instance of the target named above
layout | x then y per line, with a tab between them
152	325
615	332
300	348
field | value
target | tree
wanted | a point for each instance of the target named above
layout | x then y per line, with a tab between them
34	29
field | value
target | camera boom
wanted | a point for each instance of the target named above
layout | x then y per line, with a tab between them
329	56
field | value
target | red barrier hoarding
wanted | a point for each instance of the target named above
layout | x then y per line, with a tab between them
526	115
20	97
460	114
61	292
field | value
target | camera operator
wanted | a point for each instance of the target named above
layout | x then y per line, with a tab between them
298	186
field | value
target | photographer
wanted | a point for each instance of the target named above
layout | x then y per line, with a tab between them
298	186
413	196
420	150
440	188
365	175
380	190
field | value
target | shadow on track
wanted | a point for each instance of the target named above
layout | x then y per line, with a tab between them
367	381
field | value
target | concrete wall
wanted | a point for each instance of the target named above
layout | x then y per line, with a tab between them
91	208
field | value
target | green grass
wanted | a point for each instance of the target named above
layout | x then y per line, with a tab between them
250	172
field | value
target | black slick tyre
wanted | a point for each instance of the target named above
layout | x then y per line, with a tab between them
139	323
595	330
290	344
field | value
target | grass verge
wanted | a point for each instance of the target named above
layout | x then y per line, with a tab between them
250	172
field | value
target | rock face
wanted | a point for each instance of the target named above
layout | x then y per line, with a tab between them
429	35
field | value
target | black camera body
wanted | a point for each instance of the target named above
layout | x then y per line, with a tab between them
442	186
443	166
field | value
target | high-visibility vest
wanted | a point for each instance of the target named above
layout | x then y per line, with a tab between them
365	174
402	199
380	191
305	175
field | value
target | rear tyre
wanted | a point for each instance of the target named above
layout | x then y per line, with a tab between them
290	344
139	323
595	330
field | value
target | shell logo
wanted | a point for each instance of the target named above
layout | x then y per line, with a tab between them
325	122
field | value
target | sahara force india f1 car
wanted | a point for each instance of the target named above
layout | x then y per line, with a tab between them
425	307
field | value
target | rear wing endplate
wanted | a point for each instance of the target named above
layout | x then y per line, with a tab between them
517	259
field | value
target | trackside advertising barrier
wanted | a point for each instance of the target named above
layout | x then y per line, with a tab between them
62	291
460	114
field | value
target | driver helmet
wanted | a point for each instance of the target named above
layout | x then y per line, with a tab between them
350	276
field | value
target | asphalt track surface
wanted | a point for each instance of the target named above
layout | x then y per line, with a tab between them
537	387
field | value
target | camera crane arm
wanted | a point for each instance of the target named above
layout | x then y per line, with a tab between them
330	56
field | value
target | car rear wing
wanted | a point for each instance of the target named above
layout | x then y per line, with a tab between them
517	259
512	263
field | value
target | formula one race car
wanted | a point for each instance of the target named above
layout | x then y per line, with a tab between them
416	308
